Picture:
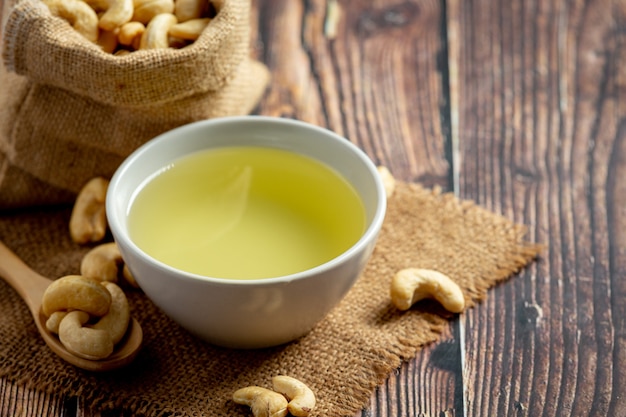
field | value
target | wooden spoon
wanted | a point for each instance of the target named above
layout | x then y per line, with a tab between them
31	286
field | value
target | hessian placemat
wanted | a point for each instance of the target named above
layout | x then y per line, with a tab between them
346	356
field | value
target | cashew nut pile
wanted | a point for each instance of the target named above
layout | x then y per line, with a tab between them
123	26
289	396
412	285
89	317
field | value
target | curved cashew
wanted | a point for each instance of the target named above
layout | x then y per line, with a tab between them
53	322
128	276
98	5
412	285
75	292
115	322
118	13
301	398
389	182
146	10
78	14
262	402
102	262
190	9
177	43
82	341
190	29
108	40
88	221
130	34
156	34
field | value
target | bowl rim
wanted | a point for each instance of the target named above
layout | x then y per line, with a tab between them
369	236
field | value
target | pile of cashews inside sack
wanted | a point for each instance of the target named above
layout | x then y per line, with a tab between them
122	26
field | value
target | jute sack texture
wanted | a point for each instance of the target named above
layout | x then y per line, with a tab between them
70	112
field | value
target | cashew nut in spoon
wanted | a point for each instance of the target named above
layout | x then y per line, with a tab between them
75	292
54	321
115	322
262	401
301	397
31	286
83	341
412	285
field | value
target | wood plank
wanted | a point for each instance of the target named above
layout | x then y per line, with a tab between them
541	133
19	401
377	81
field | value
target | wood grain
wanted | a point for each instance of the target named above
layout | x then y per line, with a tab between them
377	81
541	116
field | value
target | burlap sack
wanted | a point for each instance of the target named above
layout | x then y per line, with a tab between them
69	111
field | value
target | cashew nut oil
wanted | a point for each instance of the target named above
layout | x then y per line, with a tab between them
246	213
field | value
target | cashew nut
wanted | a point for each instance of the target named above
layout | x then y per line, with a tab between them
115	322
389	182
146	10
75	292
190	29
82	341
118	13
53	322
98	5
102	262
262	401
78	14
88	221
301	398
412	285
128	276
190	9
108	40
156	34
130	34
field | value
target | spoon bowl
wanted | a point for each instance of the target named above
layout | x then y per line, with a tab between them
31	286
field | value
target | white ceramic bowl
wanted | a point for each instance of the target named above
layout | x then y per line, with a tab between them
247	313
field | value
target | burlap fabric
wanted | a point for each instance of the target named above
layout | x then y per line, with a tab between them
70	112
343	359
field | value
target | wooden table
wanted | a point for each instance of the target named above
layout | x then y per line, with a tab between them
517	105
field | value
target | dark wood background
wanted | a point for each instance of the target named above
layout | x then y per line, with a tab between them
518	105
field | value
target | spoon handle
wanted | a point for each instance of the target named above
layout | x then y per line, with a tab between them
28	283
